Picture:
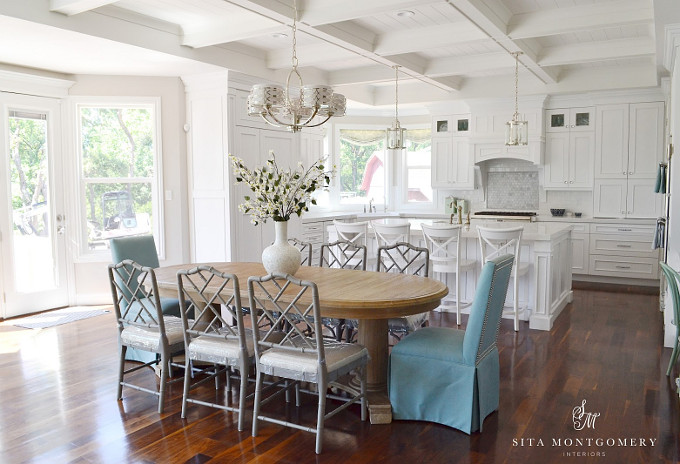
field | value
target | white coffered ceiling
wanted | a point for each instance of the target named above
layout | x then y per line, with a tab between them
447	49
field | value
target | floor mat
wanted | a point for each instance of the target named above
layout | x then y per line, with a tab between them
58	317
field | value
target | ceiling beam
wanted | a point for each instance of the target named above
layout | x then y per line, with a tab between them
468	64
578	18
425	38
72	7
309	55
494	22
318	12
597	51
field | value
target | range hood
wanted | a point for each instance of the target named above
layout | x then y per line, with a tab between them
532	152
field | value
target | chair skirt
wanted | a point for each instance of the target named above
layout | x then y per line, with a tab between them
430	381
170	307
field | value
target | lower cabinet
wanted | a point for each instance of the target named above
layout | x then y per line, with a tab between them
623	250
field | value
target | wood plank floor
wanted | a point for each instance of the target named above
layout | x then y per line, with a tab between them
58	387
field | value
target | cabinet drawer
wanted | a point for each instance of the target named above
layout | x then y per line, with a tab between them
624	229
579	228
633	245
622	266
315	238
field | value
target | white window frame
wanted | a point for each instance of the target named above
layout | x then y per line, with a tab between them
82	253
399	192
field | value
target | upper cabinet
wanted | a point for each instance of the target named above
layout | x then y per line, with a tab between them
569	149
456	125
570	120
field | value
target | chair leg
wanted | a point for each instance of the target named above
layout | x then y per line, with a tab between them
458	298
165	362
674	357
242	396
320	416
256	401
121	371
187	381
515	302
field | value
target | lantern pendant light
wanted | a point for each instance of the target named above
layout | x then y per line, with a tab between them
395	134
516	130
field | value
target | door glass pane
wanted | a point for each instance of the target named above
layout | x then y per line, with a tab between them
557	120
582	119
33	254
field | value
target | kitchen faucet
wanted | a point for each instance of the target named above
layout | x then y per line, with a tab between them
371	208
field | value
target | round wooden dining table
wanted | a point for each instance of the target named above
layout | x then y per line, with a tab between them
371	297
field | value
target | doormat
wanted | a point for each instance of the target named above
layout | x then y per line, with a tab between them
58	317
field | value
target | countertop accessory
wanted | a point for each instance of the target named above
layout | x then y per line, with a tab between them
557	211
578	214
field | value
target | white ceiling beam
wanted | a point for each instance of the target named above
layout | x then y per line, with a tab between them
578	18
231	29
494	23
72	7
597	51
320	12
468	64
309	55
362	75
416	40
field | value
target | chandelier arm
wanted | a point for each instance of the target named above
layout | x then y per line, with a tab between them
320	123
268	121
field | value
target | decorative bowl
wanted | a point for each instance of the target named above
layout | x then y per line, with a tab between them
578	214
557	211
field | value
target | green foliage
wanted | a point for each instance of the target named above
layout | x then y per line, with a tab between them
27	145
353	159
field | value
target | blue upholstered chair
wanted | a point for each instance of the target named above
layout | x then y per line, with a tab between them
142	250
673	279
451	376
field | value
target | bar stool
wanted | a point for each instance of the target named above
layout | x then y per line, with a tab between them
355	233
495	242
443	243
387	235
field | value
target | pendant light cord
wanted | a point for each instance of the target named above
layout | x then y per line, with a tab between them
515	117
396	94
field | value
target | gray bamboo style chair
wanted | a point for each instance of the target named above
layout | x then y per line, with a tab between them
282	300
404	258
305	250
216	338
342	254
142	324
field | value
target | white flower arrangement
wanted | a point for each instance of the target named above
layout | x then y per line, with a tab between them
278	194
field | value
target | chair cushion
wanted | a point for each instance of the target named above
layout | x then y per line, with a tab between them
149	338
338	355
219	350
438	343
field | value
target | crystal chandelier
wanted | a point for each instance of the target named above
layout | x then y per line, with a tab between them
516	131
395	134
295	107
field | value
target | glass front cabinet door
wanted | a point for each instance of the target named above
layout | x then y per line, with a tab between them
457	125
569	120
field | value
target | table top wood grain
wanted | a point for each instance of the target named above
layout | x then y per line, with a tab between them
343	293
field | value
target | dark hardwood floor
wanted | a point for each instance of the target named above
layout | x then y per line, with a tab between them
58	405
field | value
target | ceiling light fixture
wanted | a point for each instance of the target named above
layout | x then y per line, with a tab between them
295	107
395	134
516	131
405	14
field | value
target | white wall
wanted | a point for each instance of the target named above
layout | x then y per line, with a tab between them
91	284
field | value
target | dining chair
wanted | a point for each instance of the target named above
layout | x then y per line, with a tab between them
499	241
673	281
282	300
142	250
452	376
343	255
142	325
404	258
305	250
214	334
443	243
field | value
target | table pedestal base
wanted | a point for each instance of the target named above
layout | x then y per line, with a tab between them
373	335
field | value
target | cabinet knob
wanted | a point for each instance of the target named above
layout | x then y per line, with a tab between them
571	181
565	181
630	173
624	173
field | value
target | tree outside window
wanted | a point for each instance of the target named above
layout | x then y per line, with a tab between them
361	167
118	157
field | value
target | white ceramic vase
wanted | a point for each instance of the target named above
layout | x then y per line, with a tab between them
281	256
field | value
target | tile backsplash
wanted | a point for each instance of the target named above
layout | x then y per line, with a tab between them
512	186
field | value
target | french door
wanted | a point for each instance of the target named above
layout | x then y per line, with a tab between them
33	273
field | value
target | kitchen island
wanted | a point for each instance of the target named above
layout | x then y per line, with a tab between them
543	292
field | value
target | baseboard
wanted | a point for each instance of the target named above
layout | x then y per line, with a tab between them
624	287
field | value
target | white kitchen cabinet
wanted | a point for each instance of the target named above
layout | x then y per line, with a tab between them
570	120
569	160
580	248
452	166
629	147
457	125
253	146
623	250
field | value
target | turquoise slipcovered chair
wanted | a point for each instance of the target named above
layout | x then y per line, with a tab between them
452	376
142	250
673	279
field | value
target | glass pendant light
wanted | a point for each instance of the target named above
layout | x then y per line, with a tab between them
516	130
395	134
